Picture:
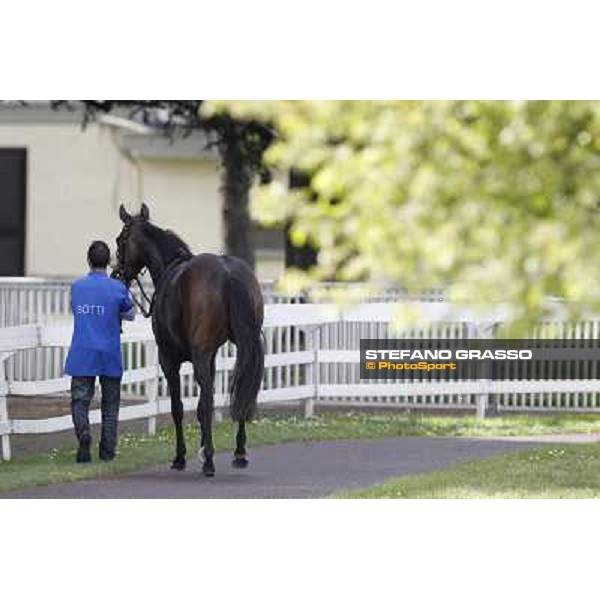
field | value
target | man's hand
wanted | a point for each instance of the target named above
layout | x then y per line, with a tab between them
129	315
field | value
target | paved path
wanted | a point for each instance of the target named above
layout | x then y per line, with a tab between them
298	470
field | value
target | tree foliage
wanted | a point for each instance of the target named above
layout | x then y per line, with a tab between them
241	143
495	201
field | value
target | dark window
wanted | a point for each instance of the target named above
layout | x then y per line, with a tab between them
13	174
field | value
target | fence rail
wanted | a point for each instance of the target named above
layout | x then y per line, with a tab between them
34	300
311	356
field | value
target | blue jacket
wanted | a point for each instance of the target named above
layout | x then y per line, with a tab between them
98	303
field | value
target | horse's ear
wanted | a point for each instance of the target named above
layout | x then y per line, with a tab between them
124	215
145	212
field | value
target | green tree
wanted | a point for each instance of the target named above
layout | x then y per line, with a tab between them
240	142
495	201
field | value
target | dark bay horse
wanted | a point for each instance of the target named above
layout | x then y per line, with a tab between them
200	302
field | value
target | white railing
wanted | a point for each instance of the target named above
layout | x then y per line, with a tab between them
36	300
312	356
25	300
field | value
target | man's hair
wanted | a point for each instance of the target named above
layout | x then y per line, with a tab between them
98	255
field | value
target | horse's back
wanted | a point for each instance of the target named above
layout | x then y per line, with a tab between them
218	268
208	285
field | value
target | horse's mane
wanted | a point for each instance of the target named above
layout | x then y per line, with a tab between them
168	243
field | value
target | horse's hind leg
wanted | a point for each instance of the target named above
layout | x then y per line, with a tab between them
204	373
172	375
240	461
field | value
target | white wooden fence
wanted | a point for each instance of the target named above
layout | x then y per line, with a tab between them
312	356
36	300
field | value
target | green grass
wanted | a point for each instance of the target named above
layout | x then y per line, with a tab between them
559	471
138	452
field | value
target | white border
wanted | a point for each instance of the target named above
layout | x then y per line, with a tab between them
314	49
293	549
276	549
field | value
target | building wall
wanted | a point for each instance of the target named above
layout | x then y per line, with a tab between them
183	195
77	178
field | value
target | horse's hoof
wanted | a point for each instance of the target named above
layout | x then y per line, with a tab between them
178	464
239	462
208	470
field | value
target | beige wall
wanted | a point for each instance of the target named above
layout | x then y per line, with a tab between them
183	195
71	182
77	178
269	265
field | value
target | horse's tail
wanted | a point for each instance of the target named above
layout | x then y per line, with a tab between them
245	322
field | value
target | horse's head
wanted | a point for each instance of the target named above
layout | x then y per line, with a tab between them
130	255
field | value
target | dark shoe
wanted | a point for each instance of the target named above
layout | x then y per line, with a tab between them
83	452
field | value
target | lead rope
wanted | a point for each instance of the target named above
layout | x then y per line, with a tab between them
147	313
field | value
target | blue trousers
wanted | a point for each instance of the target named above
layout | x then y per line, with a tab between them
82	392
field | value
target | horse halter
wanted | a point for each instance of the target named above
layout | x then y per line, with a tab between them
119	274
178	258
150	301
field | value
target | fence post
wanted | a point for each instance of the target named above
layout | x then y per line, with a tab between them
4	408
221	385
482	402
483	399
312	372
152	385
